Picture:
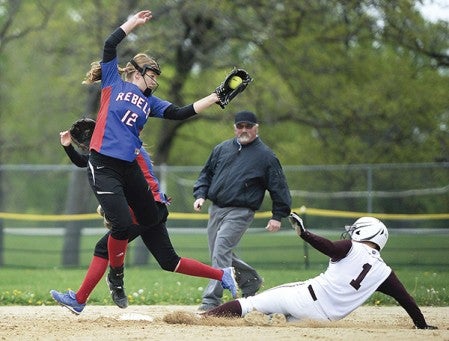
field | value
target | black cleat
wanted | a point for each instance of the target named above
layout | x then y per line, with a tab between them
115	284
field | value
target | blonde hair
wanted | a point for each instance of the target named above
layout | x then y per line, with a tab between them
94	74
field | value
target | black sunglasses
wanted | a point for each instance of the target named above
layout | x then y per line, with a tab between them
244	125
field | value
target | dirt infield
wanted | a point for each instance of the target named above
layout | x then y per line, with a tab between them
148	323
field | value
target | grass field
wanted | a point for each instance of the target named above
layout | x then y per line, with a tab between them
32	268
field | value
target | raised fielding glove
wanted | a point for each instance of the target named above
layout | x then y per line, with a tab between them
234	83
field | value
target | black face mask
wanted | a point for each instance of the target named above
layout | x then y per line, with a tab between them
143	70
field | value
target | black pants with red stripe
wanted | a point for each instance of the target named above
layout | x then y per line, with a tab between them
118	186
155	238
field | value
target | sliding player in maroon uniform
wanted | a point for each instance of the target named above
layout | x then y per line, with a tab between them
356	270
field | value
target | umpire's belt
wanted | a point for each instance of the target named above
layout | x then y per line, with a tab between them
312	293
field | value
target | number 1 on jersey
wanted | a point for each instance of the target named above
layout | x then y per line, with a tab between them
355	283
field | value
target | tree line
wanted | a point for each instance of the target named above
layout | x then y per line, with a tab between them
335	81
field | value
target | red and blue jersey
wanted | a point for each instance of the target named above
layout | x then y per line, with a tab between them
124	110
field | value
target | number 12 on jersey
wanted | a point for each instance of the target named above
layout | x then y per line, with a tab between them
130	118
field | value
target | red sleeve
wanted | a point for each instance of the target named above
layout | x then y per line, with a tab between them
335	250
393	287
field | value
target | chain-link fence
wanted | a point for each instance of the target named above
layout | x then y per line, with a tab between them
373	188
36	198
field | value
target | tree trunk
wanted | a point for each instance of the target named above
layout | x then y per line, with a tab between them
2	243
76	203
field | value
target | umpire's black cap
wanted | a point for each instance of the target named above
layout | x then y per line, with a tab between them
245	117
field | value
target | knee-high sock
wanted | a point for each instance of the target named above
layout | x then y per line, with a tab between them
94	274
116	251
228	309
192	267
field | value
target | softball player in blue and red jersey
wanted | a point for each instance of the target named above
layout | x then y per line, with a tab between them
156	239
113	171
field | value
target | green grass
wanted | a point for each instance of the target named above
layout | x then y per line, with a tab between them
32	268
152	286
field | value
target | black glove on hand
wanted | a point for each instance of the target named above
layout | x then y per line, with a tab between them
297	223
81	132
235	82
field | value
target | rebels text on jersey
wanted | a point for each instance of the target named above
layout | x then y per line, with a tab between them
124	110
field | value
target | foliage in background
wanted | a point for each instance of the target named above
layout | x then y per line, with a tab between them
354	82
336	82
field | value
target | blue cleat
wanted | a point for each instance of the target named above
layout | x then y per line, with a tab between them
228	281
68	300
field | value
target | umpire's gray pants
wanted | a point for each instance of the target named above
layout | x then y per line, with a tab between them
225	228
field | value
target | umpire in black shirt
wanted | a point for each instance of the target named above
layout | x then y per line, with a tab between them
234	179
